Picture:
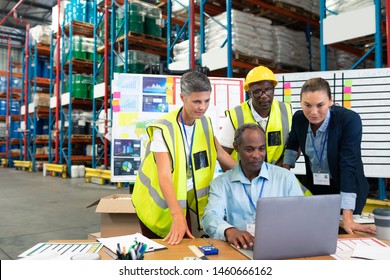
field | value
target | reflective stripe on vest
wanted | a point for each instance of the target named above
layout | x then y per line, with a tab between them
238	117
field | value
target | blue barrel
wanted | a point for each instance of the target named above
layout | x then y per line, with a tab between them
45	126
89	12
3	84
15	108
46	69
14	133
39	127
16	83
38	68
79	12
68	13
3	107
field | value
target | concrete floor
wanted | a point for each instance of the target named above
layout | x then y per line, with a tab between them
36	209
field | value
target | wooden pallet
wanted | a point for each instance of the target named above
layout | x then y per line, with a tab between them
294	9
289	68
141	35
159	39
81	28
80	65
81	136
42	137
253	59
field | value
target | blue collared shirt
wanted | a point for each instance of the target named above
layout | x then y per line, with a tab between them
229	204
319	144
348	200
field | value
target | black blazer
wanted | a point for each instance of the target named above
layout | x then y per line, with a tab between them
344	152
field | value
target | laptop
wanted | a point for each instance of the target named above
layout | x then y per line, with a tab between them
296	227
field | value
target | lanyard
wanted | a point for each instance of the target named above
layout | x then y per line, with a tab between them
323	146
192	139
261	191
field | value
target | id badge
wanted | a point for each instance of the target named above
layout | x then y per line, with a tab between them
321	179
190	184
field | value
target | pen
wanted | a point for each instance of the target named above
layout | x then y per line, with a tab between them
132	254
205	239
119	253
111	254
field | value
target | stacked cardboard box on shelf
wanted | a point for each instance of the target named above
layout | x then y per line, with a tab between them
251	35
42	100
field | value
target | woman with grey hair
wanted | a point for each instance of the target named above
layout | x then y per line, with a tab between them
174	177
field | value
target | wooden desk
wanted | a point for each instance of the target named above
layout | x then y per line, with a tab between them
180	251
226	252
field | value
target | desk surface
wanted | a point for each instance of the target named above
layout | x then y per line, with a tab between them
226	252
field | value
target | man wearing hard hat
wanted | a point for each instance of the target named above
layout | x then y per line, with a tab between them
272	115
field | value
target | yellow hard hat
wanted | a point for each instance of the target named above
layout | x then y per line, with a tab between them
258	74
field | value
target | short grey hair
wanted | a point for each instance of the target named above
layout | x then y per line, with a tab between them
238	133
194	81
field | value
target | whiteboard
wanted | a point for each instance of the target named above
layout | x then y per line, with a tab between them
138	100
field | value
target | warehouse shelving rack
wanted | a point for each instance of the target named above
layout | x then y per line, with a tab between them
100	101
70	65
119	38
278	13
377	39
53	139
183	30
8	156
37	51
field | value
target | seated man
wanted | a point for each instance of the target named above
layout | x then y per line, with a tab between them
231	206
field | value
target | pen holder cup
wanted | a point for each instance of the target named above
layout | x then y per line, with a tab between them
382	223
128	258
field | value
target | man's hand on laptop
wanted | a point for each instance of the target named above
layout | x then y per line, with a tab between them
238	238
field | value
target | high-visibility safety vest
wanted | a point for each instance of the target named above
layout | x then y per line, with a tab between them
148	200
277	130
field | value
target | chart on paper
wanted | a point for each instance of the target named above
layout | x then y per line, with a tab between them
346	247
61	250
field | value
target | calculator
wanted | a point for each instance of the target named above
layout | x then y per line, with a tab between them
209	250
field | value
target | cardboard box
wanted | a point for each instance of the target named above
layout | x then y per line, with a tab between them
94	236
118	216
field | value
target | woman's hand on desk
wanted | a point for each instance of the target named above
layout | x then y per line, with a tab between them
350	226
238	238
179	227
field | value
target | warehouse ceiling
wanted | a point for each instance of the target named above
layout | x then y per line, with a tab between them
35	12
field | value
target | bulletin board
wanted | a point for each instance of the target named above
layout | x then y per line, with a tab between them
138	100
367	92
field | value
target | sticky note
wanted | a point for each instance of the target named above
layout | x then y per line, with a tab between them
127	119
116	109
115	102
348	83
116	94
347	104
287	85
125	135
287	98
347	97
287	91
347	89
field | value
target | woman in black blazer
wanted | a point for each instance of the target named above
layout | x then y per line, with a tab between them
329	138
